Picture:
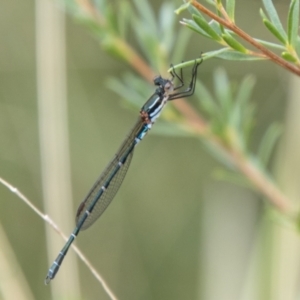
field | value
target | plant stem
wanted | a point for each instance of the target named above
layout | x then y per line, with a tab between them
228	24
199	125
243	163
262	183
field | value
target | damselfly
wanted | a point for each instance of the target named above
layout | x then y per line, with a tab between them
106	187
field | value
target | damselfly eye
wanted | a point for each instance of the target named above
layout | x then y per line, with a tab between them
158	80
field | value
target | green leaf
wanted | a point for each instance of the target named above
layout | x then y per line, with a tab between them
146	40
293	22
262	14
189	63
235	126
247	123
205	99
182	8
235	55
223	92
242	104
123	18
232	177
245	90
274	31
298	45
156	41
289	57
132	88
223	53
166	25
215	53
271	45
194	11
215	26
147	14
271	10
183	37
233	43
205	26
211	2
230	7
110	43
267	144
193	25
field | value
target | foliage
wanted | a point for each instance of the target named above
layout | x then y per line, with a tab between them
225	33
222	119
228	122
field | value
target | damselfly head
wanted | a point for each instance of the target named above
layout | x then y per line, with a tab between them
159	81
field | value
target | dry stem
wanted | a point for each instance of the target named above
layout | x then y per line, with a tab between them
56	228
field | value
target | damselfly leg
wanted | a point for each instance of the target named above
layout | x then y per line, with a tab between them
189	91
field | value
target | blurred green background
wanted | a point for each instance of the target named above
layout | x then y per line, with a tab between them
172	231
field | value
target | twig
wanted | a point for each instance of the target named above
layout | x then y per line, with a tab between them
263	183
230	25
56	228
243	163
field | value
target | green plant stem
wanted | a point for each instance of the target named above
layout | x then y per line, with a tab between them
228	24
